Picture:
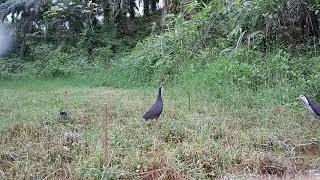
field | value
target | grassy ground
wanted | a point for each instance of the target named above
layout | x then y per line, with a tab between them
208	141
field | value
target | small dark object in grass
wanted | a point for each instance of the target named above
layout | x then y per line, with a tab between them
156	109
63	115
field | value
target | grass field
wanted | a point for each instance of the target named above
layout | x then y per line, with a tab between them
207	141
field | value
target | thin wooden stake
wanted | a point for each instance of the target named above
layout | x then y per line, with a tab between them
106	132
189	101
65	100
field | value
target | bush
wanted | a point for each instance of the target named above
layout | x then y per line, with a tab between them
49	62
222	53
103	56
10	67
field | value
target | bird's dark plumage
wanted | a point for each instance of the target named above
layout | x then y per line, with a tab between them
156	109
315	107
63	115
311	105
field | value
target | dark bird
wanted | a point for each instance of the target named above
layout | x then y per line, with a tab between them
156	109
63	115
311	105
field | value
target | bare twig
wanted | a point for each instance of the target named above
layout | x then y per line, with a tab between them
163	15
189	99
65	100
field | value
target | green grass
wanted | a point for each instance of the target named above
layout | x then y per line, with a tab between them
208	141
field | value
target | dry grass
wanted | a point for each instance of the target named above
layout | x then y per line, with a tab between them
207	142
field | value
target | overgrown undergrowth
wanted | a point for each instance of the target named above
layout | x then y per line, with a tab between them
223	58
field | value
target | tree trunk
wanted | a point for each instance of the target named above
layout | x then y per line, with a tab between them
24	30
314	22
13	18
132	5
106	10
23	50
154	5
164	13
146	10
24	46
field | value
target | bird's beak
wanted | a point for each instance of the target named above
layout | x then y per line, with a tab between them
297	98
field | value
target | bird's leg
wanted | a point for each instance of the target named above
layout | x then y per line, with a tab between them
315	117
157	122
158	125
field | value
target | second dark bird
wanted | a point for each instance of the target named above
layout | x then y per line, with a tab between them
156	109
311	105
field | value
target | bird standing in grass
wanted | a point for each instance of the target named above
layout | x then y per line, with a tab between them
156	109
63	115
311	105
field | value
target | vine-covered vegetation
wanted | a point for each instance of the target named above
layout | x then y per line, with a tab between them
231	71
242	46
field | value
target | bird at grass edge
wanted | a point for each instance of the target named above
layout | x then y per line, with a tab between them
63	115
156	109
311	105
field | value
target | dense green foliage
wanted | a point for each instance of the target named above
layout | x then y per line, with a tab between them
249	47
216	52
231	70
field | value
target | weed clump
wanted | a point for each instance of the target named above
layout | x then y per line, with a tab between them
36	145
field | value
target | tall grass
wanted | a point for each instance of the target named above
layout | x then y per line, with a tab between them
246	78
208	141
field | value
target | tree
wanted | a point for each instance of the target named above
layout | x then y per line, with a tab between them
300	19
163	14
146	10
132	7
154	5
30	10
106	10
